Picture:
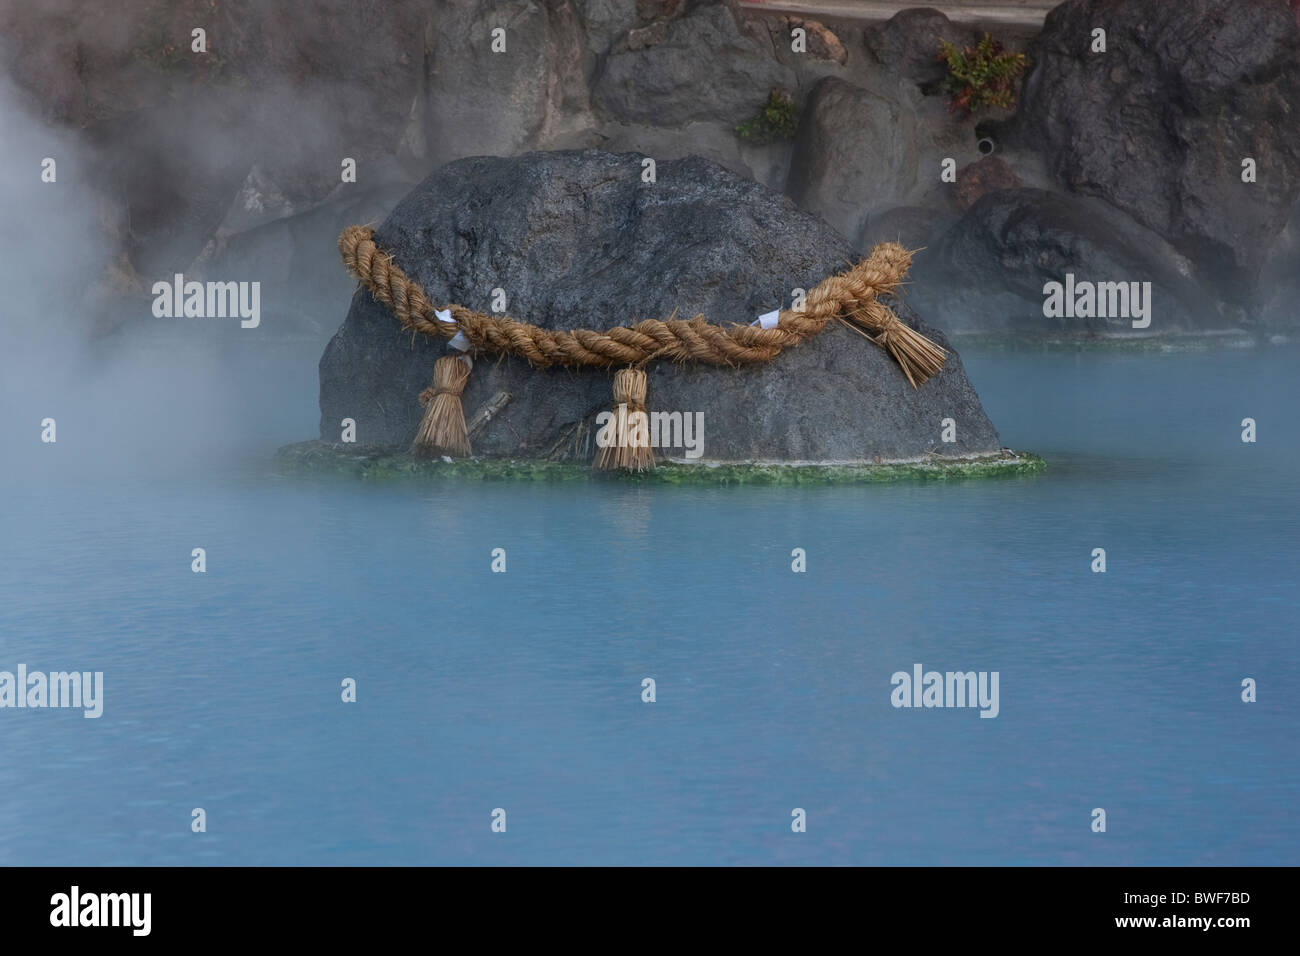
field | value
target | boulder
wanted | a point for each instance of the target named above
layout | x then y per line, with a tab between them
577	239
987	273
708	140
982	177
908	44
858	152
820	40
534	92
700	66
1160	123
604	21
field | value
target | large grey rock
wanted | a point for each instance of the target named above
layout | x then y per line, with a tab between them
908	44
577	239
1159	124
482	100
988	271
859	152
698	67
707	140
604	21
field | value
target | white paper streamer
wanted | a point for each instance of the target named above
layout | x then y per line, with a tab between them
768	320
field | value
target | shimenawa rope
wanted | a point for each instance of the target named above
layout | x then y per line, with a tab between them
850	296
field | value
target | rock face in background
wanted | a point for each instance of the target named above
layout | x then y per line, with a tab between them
980	178
200	158
914	227
908	44
478	101
1159	124
858	153
295	258
873	137
576	239
173	135
1280	281
988	271
692	68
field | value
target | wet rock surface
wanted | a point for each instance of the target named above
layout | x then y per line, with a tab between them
576	239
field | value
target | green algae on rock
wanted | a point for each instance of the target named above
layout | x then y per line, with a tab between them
389	462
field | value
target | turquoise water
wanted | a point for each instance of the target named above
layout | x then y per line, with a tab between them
522	691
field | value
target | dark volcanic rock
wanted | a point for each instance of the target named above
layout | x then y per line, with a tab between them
1159	124
857	152
699	67
485	102
908	44
987	272
983	177
577	239
913	227
822	42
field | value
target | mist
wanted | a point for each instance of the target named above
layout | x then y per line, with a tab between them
129	392
223	166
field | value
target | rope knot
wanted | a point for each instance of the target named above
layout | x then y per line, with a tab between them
443	427
630	388
916	355
624	439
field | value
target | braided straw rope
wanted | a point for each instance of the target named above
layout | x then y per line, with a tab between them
850	296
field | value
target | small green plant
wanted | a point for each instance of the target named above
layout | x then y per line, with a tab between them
777	120
981	77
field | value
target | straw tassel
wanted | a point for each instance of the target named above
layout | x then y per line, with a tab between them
442	429
626	444
919	358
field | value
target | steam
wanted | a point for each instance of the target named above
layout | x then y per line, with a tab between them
127	392
50	245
